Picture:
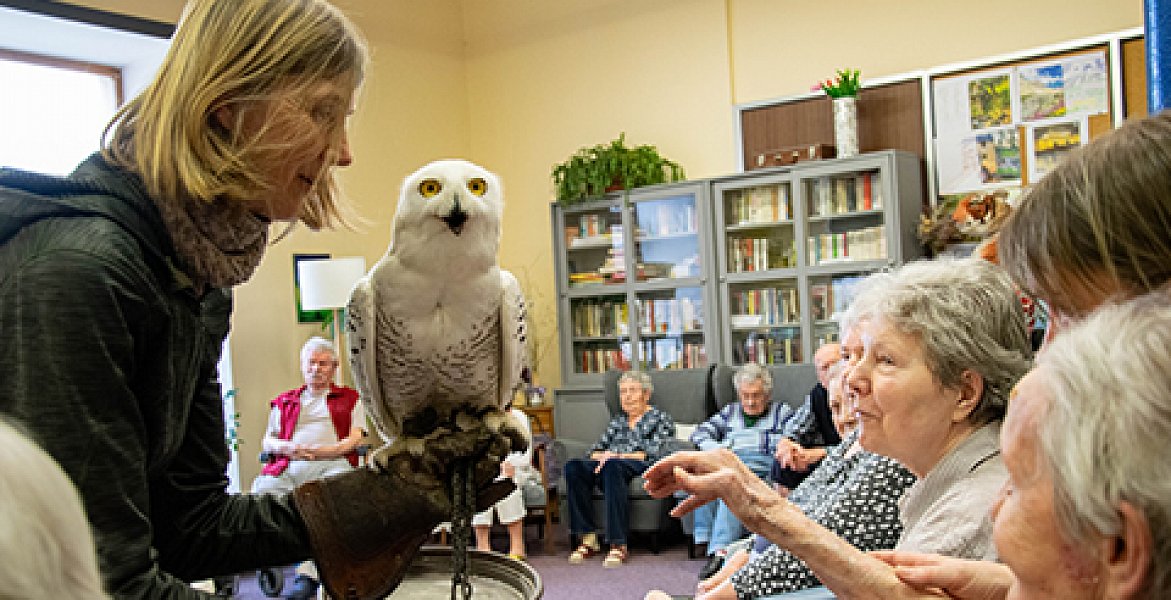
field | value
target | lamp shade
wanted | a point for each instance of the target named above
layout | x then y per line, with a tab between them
326	284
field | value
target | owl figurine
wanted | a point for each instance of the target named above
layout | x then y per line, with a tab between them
436	330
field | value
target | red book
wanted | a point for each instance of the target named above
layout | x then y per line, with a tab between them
868	191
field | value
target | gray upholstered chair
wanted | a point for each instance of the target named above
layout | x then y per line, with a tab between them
685	394
791	384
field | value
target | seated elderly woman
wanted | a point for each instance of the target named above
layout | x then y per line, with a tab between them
852	492
633	441
46	549
1086	512
943	343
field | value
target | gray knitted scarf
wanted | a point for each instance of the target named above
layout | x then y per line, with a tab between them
219	243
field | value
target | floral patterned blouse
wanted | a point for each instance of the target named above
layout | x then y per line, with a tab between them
855	497
653	434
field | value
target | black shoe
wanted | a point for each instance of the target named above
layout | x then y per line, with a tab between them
304	588
714	562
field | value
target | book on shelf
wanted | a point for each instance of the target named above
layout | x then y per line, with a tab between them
761	204
820	301
867	243
766	306
671	354
600	360
768	350
749	254
669	315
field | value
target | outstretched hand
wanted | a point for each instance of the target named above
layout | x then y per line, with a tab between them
953	577
706	476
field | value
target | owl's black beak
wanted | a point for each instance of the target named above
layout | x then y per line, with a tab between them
456	218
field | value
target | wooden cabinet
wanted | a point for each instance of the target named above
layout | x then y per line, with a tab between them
540	418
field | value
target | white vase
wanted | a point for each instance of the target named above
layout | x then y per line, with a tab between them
846	126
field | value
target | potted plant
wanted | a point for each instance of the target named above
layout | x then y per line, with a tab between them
595	170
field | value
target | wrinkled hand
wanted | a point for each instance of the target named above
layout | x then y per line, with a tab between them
951	577
785	449
708	475
804	459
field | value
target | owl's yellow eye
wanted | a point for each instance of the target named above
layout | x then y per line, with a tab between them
428	188
477	186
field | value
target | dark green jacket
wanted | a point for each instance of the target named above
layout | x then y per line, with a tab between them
109	360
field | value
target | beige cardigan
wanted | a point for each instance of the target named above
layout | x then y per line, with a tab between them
947	511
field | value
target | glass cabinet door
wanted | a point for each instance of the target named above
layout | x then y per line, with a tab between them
758	226
829	296
666	238
670	329
601	333
594	247
765	322
846	221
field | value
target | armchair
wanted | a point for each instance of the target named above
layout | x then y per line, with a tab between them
686	395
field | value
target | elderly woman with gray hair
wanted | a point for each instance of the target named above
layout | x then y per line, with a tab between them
632	441
1086	512
943	343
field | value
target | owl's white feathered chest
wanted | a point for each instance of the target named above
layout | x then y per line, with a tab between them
440	338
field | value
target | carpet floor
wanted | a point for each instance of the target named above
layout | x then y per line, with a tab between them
670	571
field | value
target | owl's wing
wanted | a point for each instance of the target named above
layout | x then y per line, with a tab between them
513	335
361	339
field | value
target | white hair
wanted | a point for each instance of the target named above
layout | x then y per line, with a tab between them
46	547
317	344
1106	434
752	372
640	377
967	315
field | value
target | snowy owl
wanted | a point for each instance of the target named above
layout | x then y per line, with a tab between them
437	329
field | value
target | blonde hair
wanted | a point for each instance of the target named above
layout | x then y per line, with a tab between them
46	548
224	54
1105	210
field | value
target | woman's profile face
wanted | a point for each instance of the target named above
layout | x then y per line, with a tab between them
302	135
902	411
1025	528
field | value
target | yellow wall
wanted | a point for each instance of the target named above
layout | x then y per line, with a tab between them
518	85
784	48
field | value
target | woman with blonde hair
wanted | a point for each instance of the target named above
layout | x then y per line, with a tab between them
115	285
1098	226
46	550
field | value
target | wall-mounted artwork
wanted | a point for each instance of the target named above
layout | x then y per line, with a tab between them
307	316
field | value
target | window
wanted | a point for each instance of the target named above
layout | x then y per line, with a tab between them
64	70
55	110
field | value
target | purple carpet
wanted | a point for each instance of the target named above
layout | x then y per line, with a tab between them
670	571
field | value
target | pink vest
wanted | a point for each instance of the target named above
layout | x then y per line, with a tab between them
340	401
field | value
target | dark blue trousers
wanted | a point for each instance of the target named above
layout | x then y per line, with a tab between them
614	481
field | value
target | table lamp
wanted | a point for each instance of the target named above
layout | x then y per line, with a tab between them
326	285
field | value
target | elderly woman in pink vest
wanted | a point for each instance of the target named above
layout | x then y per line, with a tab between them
313	431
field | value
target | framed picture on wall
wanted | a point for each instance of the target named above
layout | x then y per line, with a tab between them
306	316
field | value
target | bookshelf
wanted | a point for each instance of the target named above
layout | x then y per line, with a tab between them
792	243
633	284
750	267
